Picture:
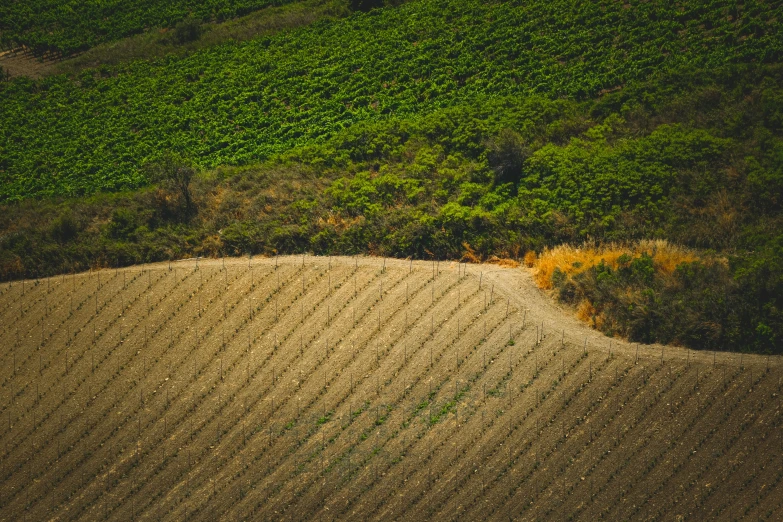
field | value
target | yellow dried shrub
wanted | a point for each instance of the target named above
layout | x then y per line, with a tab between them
573	260
530	258
503	261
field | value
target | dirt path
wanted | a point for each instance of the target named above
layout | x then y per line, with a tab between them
518	285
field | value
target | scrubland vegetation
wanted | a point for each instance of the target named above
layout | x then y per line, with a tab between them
504	178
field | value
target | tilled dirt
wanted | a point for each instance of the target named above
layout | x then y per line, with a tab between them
361	388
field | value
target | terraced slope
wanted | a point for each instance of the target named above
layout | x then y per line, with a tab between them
356	389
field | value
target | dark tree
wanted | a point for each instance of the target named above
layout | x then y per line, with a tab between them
188	30
506	154
365	5
175	173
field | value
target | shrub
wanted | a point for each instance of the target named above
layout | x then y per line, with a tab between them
365	5
506	154
65	228
187	30
701	303
175	174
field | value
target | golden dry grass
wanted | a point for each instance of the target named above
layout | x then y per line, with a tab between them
586	312
503	261
573	260
470	255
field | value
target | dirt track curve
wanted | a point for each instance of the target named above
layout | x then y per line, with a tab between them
305	388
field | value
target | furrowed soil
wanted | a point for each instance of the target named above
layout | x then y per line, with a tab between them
306	388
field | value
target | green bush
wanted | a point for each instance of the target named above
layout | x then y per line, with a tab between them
506	155
188	30
123	224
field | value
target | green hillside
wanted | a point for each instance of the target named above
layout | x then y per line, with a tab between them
75	25
238	103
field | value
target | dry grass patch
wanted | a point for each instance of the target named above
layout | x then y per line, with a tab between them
503	261
573	260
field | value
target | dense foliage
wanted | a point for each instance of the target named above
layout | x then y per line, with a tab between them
703	304
695	157
75	25
238	103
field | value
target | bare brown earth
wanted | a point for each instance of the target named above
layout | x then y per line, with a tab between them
18	63
311	388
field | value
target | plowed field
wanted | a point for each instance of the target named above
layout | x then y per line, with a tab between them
307	388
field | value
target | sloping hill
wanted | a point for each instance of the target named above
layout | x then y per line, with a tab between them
238	103
72	26
344	388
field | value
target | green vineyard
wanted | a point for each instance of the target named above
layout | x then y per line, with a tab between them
72	26
239	103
